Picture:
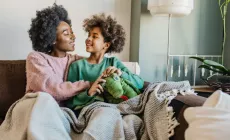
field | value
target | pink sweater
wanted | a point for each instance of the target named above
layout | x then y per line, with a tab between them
47	74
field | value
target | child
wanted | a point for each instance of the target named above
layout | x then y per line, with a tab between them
104	36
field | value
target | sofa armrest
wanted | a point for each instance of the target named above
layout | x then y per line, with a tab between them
191	100
180	104
184	102
179	131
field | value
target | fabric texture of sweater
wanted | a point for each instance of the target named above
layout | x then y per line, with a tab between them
48	74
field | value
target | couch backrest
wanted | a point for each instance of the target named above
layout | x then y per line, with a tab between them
12	83
133	67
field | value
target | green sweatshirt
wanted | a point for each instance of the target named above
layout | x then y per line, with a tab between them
82	70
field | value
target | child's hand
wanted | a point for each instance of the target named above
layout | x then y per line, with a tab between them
96	87
110	70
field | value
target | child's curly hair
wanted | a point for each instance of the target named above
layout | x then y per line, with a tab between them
112	31
42	30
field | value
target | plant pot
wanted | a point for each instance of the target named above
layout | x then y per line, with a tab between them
221	82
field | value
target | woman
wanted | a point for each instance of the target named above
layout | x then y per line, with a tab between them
52	37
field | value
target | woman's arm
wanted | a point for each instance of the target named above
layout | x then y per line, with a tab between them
41	77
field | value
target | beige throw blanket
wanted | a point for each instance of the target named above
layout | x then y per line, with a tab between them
37	116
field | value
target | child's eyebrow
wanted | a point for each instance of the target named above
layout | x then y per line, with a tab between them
95	33
64	30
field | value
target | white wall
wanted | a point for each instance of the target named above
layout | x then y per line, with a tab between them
14	23
16	18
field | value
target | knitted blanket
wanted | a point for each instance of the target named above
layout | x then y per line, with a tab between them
37	116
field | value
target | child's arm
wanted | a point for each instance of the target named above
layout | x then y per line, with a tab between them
82	97
126	74
85	97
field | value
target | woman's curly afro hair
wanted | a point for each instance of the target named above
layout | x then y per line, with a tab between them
112	31
42	30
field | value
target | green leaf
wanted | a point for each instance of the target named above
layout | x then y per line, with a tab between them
212	69
212	65
215	65
197	58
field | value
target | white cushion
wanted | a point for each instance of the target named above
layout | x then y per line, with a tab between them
133	67
210	121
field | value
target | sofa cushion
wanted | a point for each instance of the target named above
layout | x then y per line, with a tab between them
12	83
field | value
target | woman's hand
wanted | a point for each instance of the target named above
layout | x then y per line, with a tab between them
110	70
96	87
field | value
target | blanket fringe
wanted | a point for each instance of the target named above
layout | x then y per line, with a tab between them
168	96
172	122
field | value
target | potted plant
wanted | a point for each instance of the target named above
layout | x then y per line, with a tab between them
221	78
223	4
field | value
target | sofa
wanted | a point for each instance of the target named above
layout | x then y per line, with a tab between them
13	85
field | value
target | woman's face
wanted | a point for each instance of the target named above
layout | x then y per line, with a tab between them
64	38
95	41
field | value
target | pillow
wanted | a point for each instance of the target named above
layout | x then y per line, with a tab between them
210	121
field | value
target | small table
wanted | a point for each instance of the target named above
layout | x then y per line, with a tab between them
203	90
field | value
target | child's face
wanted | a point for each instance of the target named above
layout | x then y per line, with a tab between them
95	41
